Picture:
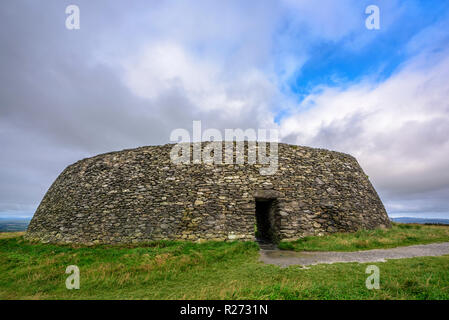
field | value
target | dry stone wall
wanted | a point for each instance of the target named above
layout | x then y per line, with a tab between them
140	195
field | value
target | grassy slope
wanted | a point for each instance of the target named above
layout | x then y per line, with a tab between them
398	235
212	270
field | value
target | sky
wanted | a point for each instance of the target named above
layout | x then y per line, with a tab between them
136	70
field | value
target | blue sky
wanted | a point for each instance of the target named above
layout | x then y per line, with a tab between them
134	72
337	63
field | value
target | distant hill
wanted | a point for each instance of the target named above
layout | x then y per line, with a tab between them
13	224
420	220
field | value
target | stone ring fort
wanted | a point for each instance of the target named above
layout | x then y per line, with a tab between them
139	195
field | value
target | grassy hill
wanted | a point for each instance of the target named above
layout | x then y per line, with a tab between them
217	270
398	235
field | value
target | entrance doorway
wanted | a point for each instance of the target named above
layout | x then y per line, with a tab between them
265	220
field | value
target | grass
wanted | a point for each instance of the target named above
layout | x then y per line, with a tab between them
397	235
210	270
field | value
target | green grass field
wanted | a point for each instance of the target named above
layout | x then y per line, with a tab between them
397	235
217	270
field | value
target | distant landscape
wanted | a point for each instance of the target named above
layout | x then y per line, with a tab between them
13	224
420	220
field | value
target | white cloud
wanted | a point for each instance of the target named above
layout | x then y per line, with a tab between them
206	83
398	129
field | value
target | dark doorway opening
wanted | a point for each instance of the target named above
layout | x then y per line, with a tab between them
265	220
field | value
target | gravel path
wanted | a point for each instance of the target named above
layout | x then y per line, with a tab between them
287	258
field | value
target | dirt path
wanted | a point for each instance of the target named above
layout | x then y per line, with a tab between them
286	258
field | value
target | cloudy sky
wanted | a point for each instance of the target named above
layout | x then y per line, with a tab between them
136	70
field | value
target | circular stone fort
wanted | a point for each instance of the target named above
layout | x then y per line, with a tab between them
140	195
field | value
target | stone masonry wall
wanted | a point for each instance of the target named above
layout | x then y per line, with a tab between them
139	195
